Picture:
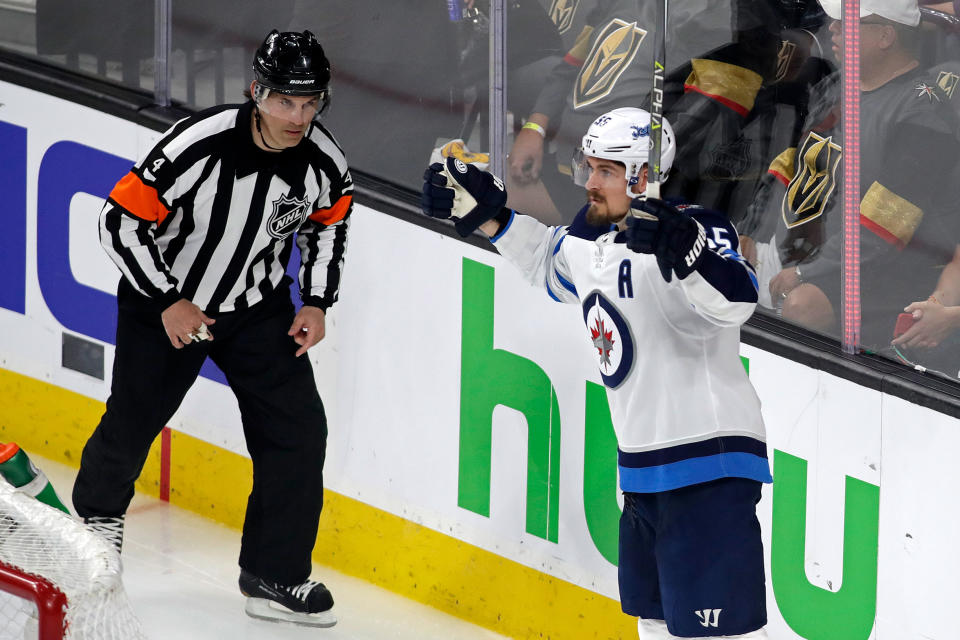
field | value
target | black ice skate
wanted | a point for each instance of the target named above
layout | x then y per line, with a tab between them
309	604
110	528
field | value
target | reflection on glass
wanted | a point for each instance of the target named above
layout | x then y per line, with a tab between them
752	90
908	164
111	39
719	54
396	89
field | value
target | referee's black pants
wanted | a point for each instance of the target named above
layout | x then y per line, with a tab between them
282	415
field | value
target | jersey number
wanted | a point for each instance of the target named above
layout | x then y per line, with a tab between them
719	239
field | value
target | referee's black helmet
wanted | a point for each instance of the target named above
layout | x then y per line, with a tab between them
292	63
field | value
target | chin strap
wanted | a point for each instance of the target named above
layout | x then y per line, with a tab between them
256	117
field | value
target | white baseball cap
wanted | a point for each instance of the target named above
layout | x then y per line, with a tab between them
903	11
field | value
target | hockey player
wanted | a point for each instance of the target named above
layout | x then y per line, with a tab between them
202	229
663	291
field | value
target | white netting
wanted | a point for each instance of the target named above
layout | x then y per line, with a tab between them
42	541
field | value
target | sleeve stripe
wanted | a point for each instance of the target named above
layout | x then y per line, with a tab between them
335	213
566	283
779	176
727	102
321	256
728	84
139	261
556	247
139	199
335	266
550	293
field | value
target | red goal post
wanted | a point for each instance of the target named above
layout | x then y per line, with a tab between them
58	579
50	602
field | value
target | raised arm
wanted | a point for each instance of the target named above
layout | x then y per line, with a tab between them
701	248
474	200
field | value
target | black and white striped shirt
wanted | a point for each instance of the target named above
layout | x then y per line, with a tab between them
208	216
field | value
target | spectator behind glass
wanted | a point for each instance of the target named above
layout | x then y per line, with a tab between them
929	337
718	55
907	155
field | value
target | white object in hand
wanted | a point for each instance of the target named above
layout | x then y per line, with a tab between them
463	202
200	334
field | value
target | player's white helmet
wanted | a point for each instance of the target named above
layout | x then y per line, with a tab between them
623	135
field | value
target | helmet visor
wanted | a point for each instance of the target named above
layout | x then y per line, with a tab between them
291	107
581	168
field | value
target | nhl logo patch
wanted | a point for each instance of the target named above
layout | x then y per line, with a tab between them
288	214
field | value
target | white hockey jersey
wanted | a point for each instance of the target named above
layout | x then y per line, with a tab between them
682	406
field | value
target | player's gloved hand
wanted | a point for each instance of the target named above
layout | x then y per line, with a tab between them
436	199
477	196
672	236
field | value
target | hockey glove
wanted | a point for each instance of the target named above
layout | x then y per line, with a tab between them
673	237
436	199
478	195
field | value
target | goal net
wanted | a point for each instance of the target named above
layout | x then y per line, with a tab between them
58	580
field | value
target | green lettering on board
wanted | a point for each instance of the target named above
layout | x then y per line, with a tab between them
600	474
491	377
815	613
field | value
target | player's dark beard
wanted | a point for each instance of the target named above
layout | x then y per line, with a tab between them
593	217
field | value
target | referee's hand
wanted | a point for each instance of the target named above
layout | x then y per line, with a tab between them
182	320
308	328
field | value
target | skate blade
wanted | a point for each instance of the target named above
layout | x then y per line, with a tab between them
263	609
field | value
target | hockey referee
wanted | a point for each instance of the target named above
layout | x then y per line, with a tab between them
202	229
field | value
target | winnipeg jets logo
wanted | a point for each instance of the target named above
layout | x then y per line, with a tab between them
461	167
639	132
924	89
611	338
287	216
602	342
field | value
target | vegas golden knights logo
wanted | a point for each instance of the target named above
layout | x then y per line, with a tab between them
785	58
808	192
613	51
948	82
562	12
